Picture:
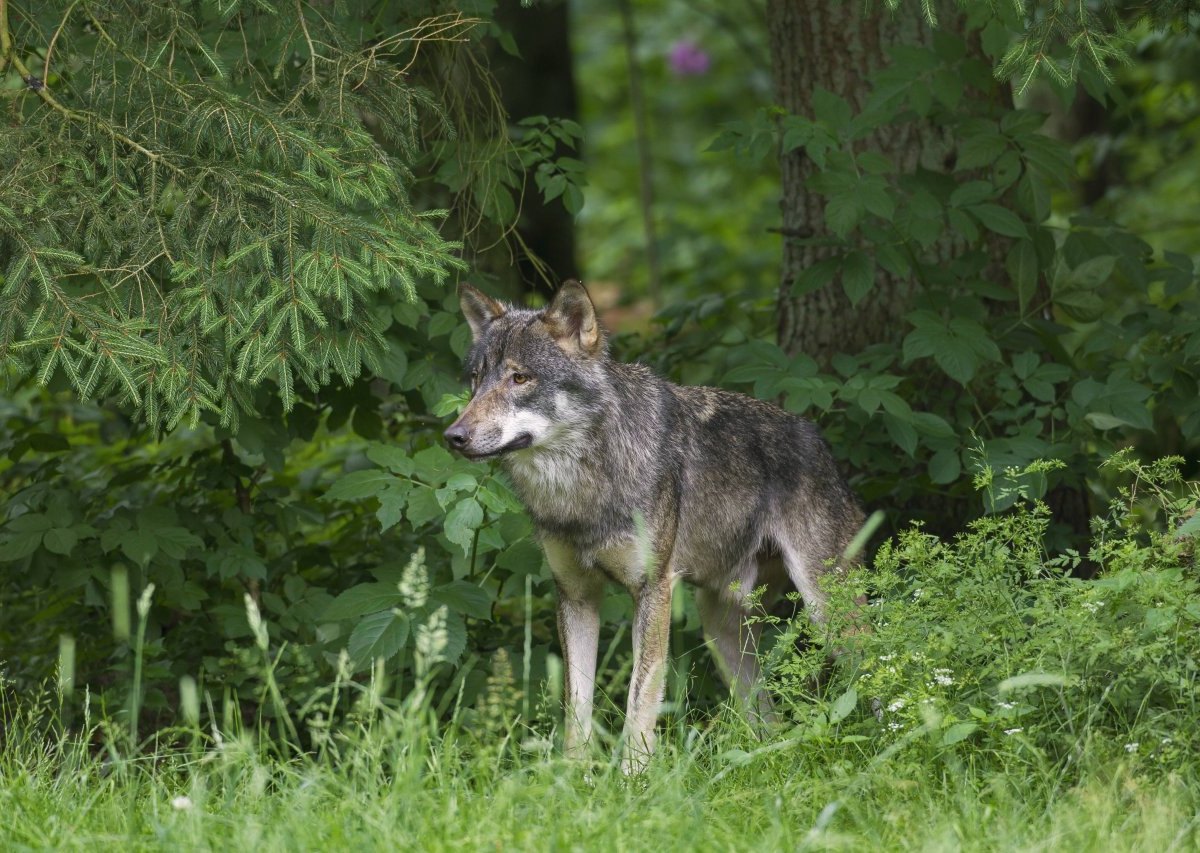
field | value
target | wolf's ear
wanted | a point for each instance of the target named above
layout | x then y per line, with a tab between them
571	318
479	308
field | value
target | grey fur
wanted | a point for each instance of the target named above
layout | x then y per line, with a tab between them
730	493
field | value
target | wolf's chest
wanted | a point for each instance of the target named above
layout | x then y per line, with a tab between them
557	490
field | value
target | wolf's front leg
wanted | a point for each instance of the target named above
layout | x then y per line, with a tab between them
651	632
579	596
578	635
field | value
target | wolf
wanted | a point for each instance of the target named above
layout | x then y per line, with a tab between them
632	479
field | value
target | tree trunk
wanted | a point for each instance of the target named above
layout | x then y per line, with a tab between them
542	82
837	46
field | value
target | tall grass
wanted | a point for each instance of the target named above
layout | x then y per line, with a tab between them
996	703
394	779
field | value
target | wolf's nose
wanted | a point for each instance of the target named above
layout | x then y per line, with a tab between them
458	436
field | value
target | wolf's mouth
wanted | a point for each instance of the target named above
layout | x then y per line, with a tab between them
521	442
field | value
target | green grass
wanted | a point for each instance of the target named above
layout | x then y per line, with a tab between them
996	702
394	780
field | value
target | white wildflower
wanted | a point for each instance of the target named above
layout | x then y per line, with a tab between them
1007	706
1013	731
896	706
895	727
942	677
1132	747
181	803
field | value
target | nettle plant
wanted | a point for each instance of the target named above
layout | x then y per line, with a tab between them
316	514
1043	336
985	642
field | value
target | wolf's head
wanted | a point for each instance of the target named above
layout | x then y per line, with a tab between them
531	372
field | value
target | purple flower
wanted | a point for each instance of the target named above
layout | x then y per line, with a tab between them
688	59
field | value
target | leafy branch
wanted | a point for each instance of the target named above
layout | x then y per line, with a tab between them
182	222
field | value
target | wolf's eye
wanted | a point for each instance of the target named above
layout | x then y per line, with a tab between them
520	378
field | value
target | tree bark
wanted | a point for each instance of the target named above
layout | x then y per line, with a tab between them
837	46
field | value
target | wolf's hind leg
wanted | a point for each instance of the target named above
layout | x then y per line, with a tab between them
805	569
734	645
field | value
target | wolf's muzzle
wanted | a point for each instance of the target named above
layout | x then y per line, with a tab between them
459	438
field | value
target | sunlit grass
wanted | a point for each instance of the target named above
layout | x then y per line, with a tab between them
391	778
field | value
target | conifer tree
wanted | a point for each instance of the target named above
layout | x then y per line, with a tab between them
201	199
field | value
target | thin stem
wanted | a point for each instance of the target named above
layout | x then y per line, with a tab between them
5	38
54	40
645	162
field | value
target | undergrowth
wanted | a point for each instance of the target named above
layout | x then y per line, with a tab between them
986	696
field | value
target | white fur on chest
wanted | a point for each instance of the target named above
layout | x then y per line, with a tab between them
628	562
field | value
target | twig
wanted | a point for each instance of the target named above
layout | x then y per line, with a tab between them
801	233
5	38
312	51
54	40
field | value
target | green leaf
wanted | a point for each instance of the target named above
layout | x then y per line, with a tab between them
830	108
359	484
378	636
1024	364
361	600
981	149
1091	273
874	163
422	506
139	545
46	442
816	276
972	192
392	501
175	541
841	708
433	464
964	225
395	459
442	323
944	467
956	354
901	432
932	425
958	732
877	198
947	87
464	597
18	545
462	521
843	212
858	276
999	219
60	540
1022	265
1105	421
573	199
237	561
